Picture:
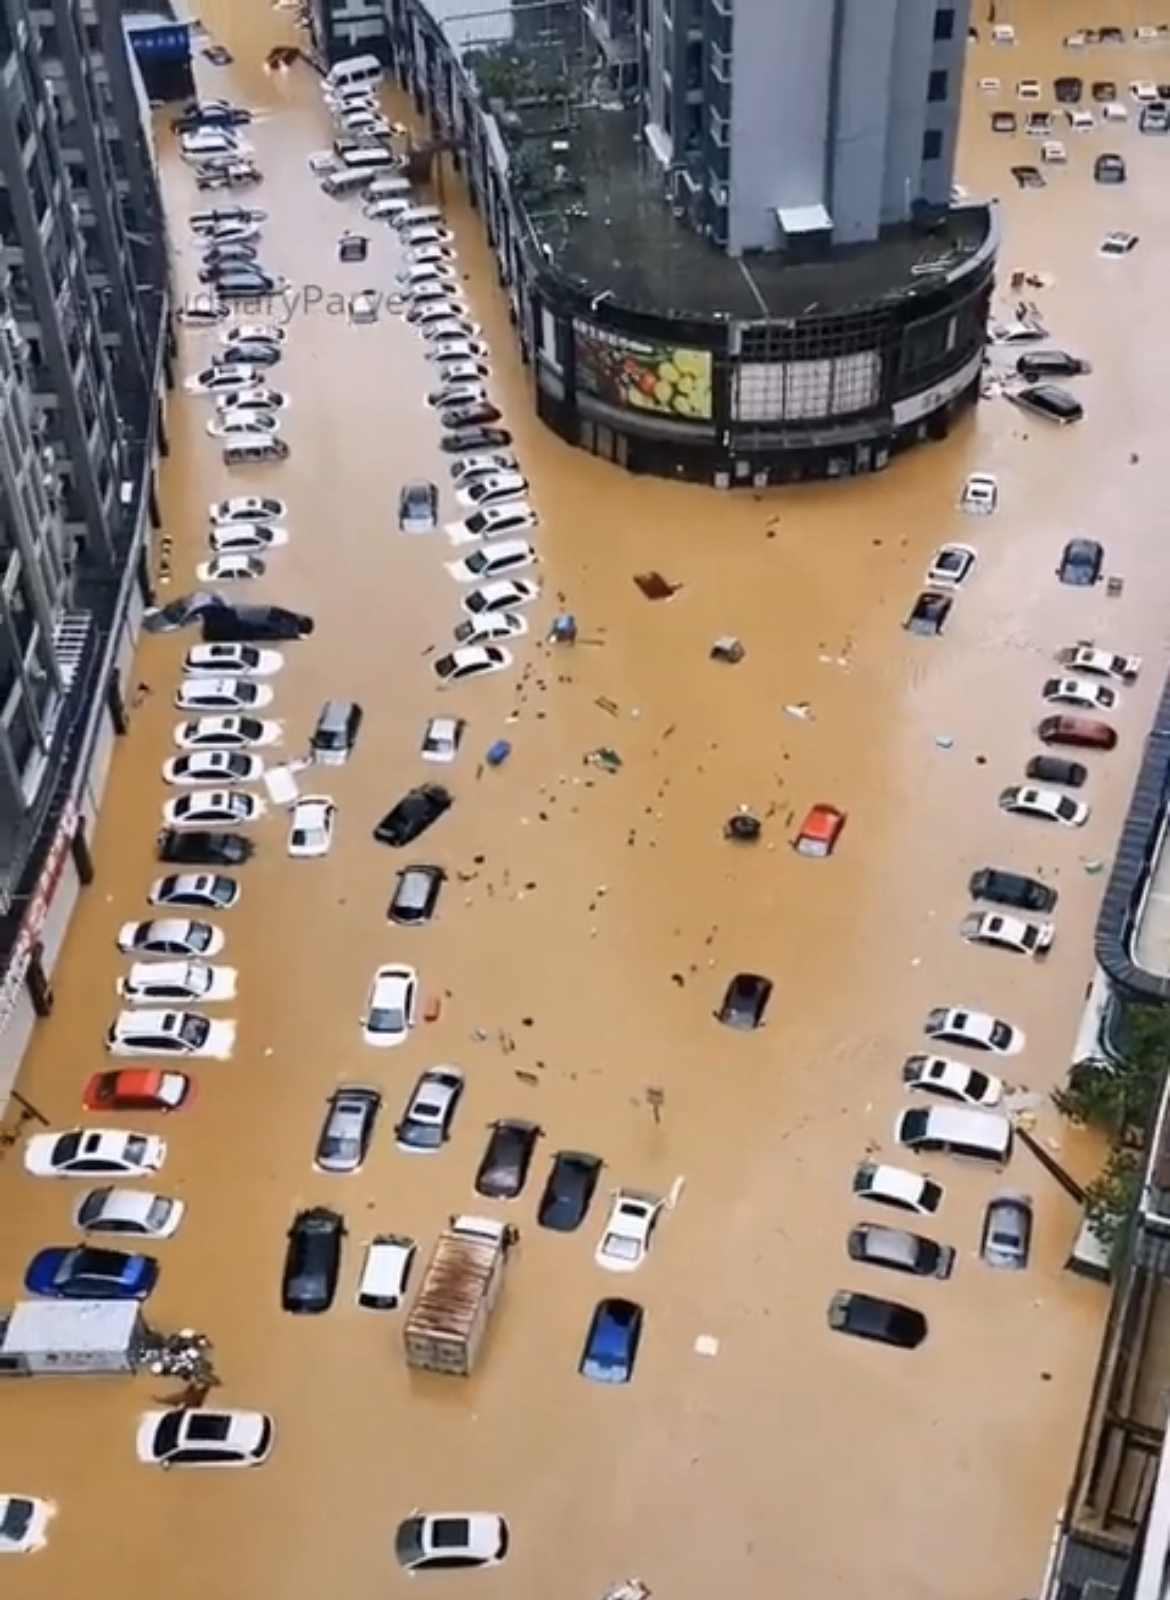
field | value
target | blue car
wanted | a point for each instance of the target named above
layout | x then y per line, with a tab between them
81	1273
611	1345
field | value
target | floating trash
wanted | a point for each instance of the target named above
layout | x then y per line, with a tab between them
606	759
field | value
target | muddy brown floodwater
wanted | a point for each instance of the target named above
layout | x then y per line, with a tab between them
845	1468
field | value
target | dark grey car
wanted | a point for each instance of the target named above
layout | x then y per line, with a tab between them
347	1129
1007	1231
415	895
900	1251
868	1316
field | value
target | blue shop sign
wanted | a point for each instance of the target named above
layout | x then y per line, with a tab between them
171	43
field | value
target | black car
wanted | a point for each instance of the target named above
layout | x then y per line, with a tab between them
237	624
1154	117
1011	889
181	612
473	441
1055	769
928	614
476	414
418	507
1081	562
416	894
503	1171
210	114
312	1262
1068	91
413	815
203	848
1109	167
1050	402
865	1316
569	1190
745	1001
1037	364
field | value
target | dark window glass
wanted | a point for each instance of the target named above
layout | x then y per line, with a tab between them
939	86
23	126
932	144
21	738
694	66
7	215
944	23
21	613
39	187
49	39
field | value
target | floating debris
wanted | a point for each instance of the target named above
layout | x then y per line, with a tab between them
606	759
727	648
655	587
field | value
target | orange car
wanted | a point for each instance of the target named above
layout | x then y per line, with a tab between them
138	1089
820	831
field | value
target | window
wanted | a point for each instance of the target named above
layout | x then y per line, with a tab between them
944	23
694	64
932	144
809	389
856	382
20	613
21	737
939	86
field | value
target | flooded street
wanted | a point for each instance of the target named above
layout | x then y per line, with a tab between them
594	923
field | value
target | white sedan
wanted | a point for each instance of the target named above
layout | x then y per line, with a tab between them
1081	693
952	1080
626	1238
310	830
441	738
229	569
222	694
456	347
232	660
240	424
455	370
259	398
247	508
1017	934
134	1212
506	595
254	333
1096	663
493	561
474	661
1049	805
390	1010
430	254
246	538
213	766
468	469
977	1030
196	891
201	1438
493	522
169	1033
24	1522
228	379
170	936
216	808
980	494
491	489
226	733
177	982
951	566
86	1153
496	625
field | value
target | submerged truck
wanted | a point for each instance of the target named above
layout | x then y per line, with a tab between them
71	1338
446	1324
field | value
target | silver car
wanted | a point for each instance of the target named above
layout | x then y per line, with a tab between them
347	1129
1007	1231
426	1122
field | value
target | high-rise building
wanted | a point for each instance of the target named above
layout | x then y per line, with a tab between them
83	356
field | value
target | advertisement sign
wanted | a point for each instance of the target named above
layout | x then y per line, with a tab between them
643	375
36	912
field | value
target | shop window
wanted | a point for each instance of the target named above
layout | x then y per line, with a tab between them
759	392
22	740
856	382
938	86
808	389
944	24
548	338
932	144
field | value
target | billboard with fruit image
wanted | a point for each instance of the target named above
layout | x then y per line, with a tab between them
644	375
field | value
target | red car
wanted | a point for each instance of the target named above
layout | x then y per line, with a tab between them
1081	733
138	1089
820	831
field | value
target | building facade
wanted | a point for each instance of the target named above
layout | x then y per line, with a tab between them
159	32
84	357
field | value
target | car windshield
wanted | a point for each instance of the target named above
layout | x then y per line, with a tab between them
445	666
199	936
136	1147
386	1019
424	1134
17	1519
1001	1035
194	1031
1066	809
222	891
67	1146
160	1210
480	561
621	1245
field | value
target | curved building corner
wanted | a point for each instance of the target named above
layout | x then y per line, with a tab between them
666	327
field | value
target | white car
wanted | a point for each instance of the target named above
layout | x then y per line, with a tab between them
386	208
452	371
418	273
451	1539
24	1522
202	312
226	733
494	522
626	1237
1081	693
416	236
135	1212
170	936
1116	244
470	469
441	738
230	569
237	424
247	508
232	661
506	595
260	398
90	1152
475	661
1144	92
980	494
978	1030
213	766
229	233
246	538
195	891
492	488
254	333
177	983
1096	663
222	694
310	830
898	1187
224	380
198	1437
487	630
951	566
1017	934
442	326
451	393
390	1010
363	306
441	291
215	808
1028	331
197	144
1048	805
385	1272
431	254
453	345
493	561
169	1033
951	1080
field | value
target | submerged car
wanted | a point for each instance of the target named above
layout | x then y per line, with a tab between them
471	661
951	1080
899	1250
131	1213
1081	693
1049	805
170	936
451	1539
212	766
145	1088
425	1124
503	1169
1096	663
81	1272
348	1128
1055	769
611	1344
416	894
504	594
1007	1232
203	891
418	507
198	1437
86	1153
897	1187
1081	562
1008	933
1049	401
312	1261
441	738
390	1009
928	615
977	1030
951	566
472	441
196	847
745	1001
1040	364
1077	733
866	1316
228	624
411	816
568	1190
1011	889
624	1244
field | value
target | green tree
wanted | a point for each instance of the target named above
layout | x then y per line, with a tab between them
1111	1199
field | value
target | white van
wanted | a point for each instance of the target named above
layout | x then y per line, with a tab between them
254	452
385	1272
346	182
956	1131
354	72
417	216
371	158
388	186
